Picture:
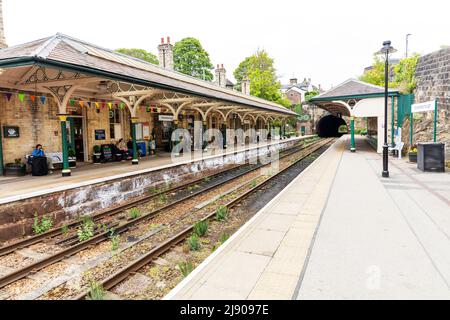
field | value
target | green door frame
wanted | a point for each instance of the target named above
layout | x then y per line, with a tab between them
66	172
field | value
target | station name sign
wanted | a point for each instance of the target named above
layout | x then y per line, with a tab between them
165	118
423	107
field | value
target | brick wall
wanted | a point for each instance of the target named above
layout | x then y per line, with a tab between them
37	124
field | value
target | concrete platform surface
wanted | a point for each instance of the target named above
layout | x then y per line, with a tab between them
339	231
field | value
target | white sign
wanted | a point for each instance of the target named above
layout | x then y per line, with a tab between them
165	118
423	107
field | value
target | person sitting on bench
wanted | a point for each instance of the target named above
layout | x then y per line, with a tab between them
122	149
39	152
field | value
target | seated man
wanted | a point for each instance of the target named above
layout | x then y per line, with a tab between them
39	152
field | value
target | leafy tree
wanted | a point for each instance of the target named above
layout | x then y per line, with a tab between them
311	94
404	72
190	58
259	68
140	54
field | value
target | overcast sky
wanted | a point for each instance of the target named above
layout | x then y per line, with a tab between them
327	41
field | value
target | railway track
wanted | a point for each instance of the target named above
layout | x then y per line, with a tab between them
239	171
121	275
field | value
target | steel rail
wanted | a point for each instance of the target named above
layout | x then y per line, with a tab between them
142	261
38	265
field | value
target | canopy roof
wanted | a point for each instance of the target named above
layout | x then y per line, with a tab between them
336	99
86	60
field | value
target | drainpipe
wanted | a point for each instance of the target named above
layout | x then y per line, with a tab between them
352	133
66	172
224	134
135	160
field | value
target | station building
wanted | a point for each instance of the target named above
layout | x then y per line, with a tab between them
70	96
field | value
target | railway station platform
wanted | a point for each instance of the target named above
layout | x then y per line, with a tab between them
18	188
338	231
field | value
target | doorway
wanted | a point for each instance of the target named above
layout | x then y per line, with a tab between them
79	139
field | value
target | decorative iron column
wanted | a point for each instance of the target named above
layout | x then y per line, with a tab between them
392	121
352	134
205	137
224	134
66	172
135	160
72	134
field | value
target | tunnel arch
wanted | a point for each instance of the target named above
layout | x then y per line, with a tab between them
329	125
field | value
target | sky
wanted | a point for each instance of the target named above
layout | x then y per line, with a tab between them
325	40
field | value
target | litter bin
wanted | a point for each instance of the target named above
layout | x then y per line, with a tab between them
431	157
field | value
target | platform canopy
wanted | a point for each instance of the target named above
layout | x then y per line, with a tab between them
346	97
67	68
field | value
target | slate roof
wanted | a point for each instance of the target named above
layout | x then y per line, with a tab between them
81	55
352	87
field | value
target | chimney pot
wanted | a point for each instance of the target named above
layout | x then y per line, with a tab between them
168	40
162	40
222	65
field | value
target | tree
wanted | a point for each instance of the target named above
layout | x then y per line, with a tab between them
140	54
311	94
190	58
259	68
404	72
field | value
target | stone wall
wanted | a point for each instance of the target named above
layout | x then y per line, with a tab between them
433	82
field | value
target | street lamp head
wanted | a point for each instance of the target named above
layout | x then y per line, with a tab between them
387	48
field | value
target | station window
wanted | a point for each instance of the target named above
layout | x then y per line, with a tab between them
114	124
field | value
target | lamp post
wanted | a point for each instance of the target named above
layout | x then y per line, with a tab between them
386	50
407	36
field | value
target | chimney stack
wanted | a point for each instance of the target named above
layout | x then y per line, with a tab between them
2	31
246	86
221	76
166	54
293	81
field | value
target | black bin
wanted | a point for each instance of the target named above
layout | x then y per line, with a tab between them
431	157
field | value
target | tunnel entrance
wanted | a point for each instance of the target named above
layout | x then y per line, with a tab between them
328	126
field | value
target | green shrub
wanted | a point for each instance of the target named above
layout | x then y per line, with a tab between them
224	237
207	179
115	242
96	292
86	231
163	199
65	230
186	268
221	213
135	213
193	242
42	226
200	228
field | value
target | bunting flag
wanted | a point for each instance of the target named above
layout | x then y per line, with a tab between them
21	96
8	95
81	103
89	104
110	105
122	105
103	105
72	102
97	105
32	98
43	99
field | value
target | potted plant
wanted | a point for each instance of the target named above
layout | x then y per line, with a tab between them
97	154
15	169
412	155
72	158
